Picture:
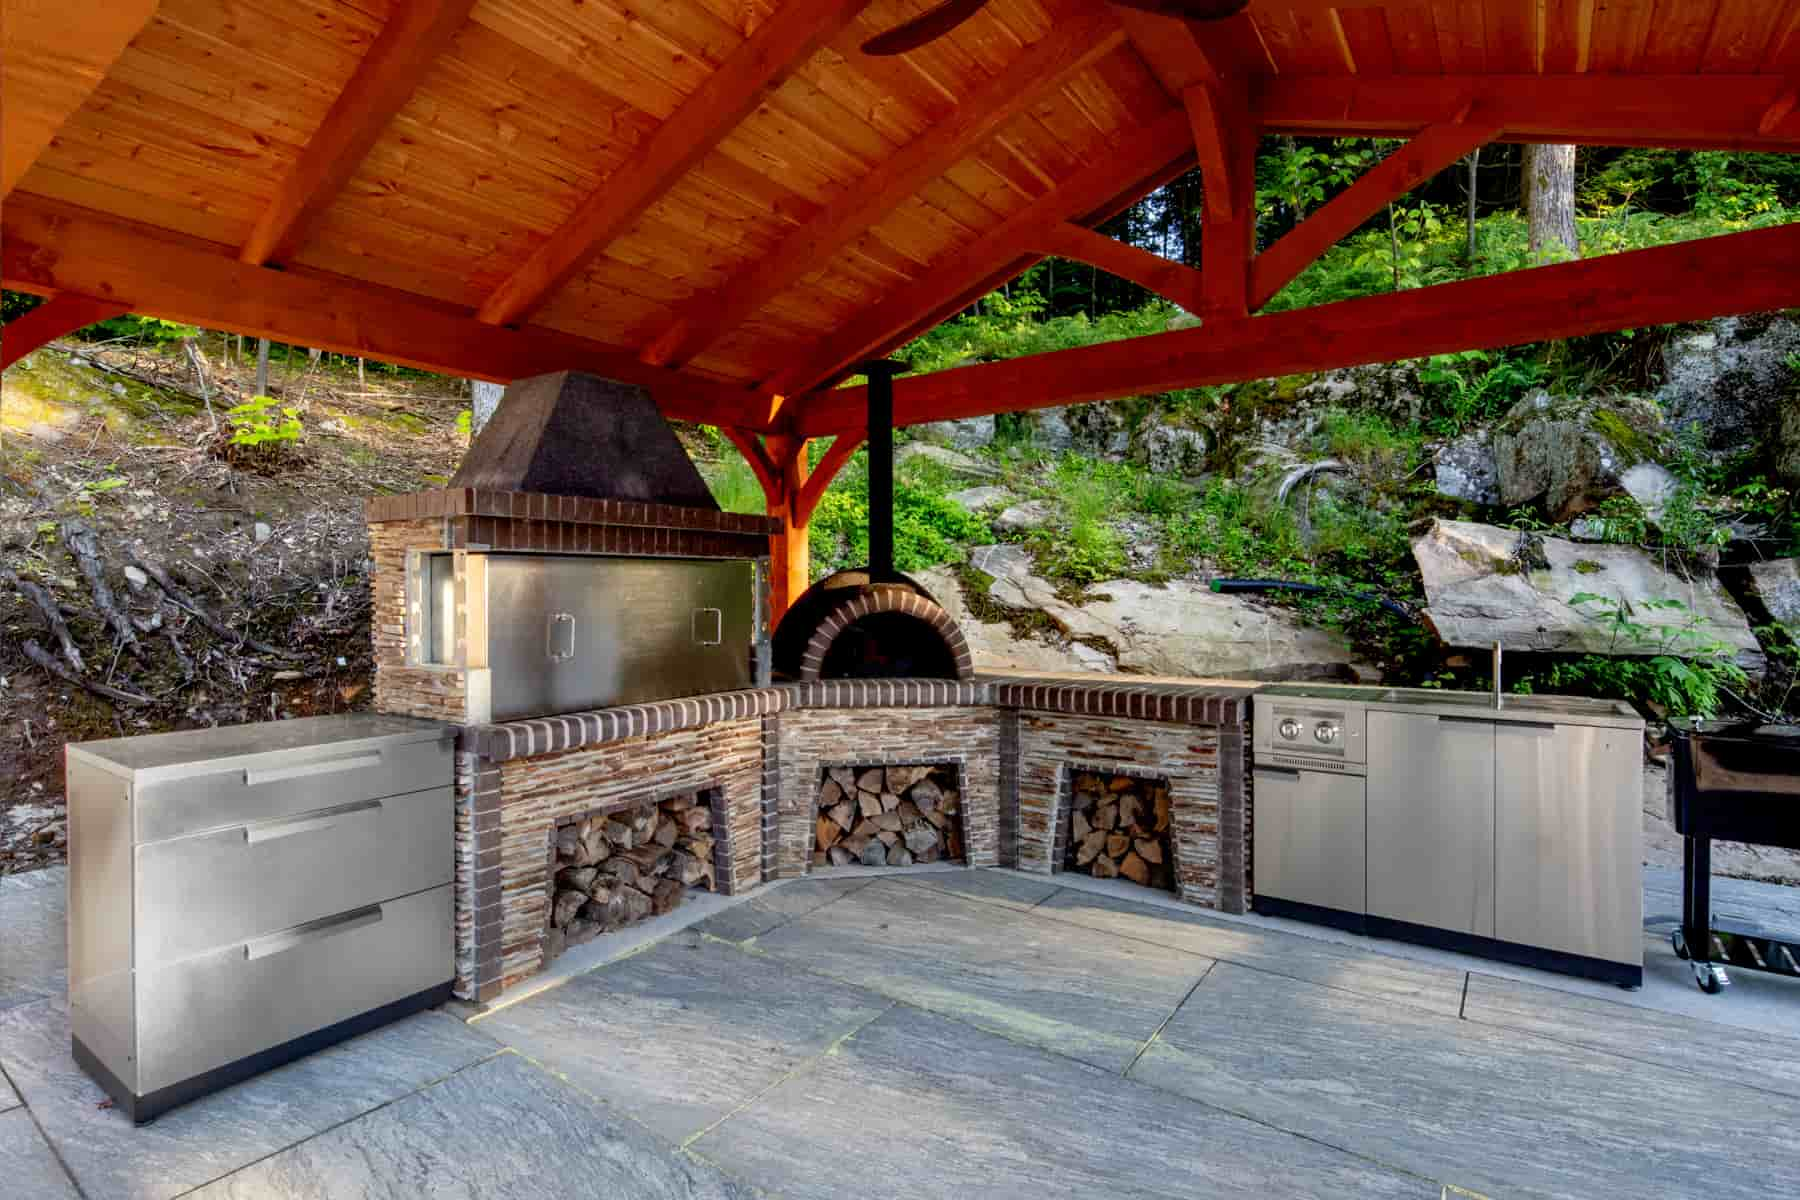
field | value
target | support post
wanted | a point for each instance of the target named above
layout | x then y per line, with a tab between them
790	554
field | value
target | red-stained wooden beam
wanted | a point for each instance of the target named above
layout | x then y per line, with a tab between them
780	45
790	550
1679	111
60	315
47	248
1225	136
1399	173
55	56
761	465
1168	279
416	32
1182	53
1142	160
843	448
1039	69
1691	281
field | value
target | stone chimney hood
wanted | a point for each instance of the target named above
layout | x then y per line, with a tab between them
570	434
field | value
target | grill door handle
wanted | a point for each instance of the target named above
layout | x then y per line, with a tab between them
718	626
564	623
307	824
330	766
1285	772
312	931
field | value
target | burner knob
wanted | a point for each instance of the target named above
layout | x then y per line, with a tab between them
1325	732
1290	729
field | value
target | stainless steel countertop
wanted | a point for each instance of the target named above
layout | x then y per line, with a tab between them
143	758
1569	710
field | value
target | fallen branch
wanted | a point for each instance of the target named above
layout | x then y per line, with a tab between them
50	611
84	546
46	660
180	598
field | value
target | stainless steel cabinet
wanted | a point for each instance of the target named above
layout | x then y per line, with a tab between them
1431	821
1309	837
1568	839
241	896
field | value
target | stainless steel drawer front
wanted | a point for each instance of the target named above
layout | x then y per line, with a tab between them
287	784
1309	843
198	893
205	1012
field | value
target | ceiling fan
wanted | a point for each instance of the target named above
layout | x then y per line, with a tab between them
936	22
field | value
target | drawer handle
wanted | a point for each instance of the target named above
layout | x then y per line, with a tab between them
330	766
312	931
558	622
1288	772
718	626
307	824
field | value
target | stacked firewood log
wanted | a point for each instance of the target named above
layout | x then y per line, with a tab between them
619	867
888	816
1119	826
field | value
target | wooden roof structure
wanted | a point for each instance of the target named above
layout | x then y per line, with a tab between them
728	202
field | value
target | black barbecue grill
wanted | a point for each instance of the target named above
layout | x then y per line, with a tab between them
1738	781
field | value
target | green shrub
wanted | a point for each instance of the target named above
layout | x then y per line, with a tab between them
263	427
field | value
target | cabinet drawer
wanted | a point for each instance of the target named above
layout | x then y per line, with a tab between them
198	893
206	1012
288	784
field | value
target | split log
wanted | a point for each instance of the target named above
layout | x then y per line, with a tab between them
843	814
1106	816
889	802
1090	848
1105	868
84	548
1135	869
872	780
1117	844
51	612
828	833
1148	849
46	660
869	803
1130	809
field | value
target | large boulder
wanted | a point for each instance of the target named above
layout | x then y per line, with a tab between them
1485	584
1729	378
1777	584
953	461
971	433
1182	628
1569	453
1166	449
1466	470
1095	430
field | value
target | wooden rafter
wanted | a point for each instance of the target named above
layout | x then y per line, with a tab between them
1435	148
60	315
1225	136
767	473
843	448
778	47
1701	111
1168	279
1041	68
48	248
1689	281
55	56
1182	53
415	34
1142	160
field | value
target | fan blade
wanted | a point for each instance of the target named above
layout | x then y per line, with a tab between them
1190	10
927	26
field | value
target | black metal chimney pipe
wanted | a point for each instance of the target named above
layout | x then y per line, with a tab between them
881	374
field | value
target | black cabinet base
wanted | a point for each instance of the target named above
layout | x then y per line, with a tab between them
1622	974
146	1107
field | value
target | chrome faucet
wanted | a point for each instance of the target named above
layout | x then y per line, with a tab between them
1496	675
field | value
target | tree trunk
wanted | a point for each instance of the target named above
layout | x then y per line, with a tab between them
484	398
262	366
1550	201
1469	219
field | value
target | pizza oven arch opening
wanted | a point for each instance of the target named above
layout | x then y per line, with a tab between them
850	626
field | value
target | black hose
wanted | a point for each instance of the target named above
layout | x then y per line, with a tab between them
1287	585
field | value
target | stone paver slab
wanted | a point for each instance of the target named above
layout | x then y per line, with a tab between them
997	887
189	1145
684	1032
771	907
915	1106
34	940
1380	975
501	1130
27	1167
1760	1059
1077	992
1498	1111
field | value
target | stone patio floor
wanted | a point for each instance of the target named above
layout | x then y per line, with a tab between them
966	1033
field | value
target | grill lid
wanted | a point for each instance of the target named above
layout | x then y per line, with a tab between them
572	434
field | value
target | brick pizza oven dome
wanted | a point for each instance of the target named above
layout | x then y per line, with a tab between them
855	625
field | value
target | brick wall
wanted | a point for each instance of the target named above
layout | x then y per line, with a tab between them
815	738
1051	745
435	693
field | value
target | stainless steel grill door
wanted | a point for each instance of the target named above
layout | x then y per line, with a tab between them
566	634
